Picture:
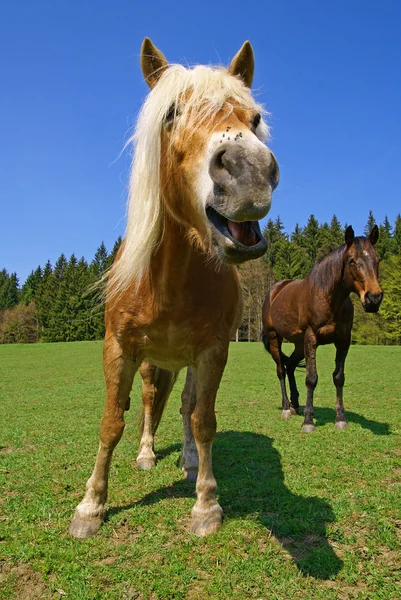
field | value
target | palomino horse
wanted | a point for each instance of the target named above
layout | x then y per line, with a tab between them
318	310
201	179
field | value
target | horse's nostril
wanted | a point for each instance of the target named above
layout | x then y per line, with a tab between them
218	158
275	173
374	298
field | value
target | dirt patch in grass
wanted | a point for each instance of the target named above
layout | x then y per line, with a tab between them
11	450
26	583
126	533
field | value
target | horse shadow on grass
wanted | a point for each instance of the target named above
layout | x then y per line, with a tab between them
328	415
251	482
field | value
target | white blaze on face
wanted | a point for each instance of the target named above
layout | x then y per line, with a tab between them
244	136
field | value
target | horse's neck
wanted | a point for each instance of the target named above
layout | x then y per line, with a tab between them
176	262
337	293
338	296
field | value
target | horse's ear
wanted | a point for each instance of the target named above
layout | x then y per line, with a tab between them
349	235
153	62
374	235
243	64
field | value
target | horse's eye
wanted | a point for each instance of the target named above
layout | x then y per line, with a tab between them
351	261
255	121
170	116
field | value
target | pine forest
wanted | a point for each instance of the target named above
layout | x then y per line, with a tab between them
61	303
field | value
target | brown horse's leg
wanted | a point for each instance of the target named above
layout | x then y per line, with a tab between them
189	458
119	372
156	387
310	345
274	348
207	513
291	365
338	379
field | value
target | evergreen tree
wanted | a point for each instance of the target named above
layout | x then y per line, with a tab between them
30	289
113	253
390	309
370	224
325	243
397	235
52	303
291	261
384	245
78	307
8	290
310	240
274	235
297	234
101	260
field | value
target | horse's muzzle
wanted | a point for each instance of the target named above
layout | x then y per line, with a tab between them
371	302
244	176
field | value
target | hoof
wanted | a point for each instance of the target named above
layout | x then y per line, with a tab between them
206	522
341	425
83	528
191	473
146	463
308	428
294	411
286	414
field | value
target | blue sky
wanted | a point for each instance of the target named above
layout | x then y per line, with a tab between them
71	87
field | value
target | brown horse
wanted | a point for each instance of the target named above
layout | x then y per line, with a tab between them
318	310
201	179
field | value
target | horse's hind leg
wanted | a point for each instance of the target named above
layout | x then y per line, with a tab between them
189	459
119	371
156	387
339	379
310	345
274	347
291	365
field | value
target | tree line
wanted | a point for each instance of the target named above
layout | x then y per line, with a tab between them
57	303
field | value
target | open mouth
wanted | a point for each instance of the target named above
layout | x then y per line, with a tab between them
245	233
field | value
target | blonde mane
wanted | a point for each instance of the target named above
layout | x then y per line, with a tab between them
207	91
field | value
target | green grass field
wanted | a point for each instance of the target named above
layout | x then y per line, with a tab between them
306	516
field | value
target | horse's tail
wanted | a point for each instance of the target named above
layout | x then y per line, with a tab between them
265	340
301	364
164	382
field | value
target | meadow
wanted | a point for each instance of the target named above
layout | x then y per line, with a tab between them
306	515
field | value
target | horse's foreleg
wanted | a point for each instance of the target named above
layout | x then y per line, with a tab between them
339	379
189	459
206	514
119	372
310	345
